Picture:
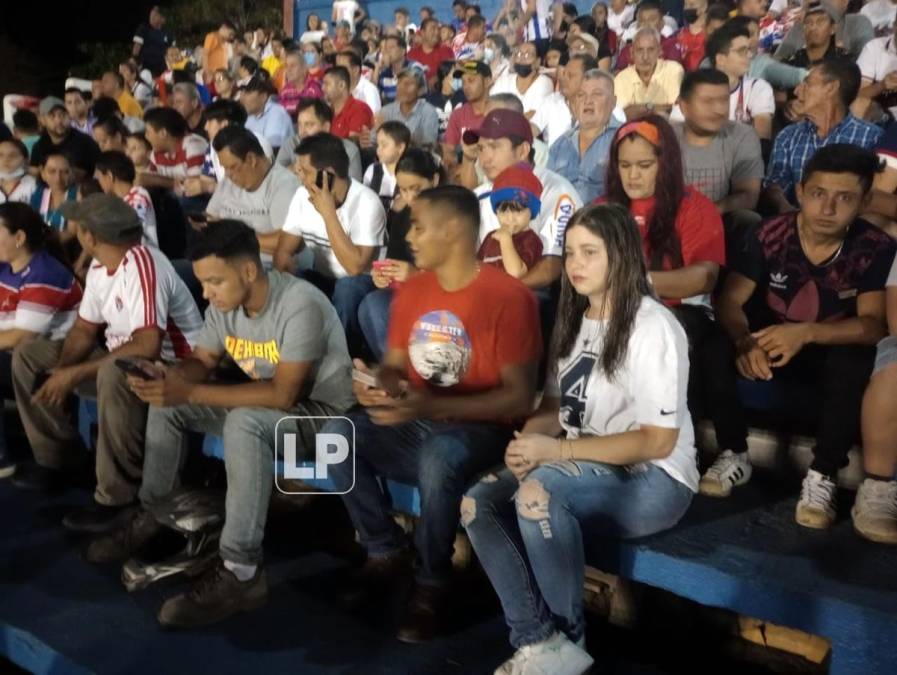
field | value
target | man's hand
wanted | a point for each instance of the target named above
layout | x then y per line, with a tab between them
367	395
413	406
527	451
793	110
322	200
751	360
193	186
890	81
782	342
58	387
470	152
169	389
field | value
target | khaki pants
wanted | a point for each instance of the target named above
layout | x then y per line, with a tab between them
53	433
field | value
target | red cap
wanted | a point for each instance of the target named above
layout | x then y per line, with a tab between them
518	183
501	123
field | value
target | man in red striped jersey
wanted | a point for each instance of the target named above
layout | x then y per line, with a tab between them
133	291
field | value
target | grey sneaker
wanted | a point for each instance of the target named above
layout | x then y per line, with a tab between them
816	507
555	655
874	512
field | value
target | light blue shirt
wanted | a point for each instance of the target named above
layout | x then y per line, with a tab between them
273	124
587	172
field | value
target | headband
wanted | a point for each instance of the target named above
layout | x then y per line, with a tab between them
644	129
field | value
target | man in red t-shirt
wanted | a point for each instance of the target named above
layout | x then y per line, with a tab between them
350	115
692	37
429	53
476	78
464	344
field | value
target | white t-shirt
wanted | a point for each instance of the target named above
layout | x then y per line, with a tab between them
534	97
139	200
538	27
553	118
21	192
387	184
753	97
650	388
559	201
880	13
361	215
878	60
144	291
345	11
367	91
620	22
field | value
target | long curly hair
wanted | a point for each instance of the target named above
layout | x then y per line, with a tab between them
626	285
669	189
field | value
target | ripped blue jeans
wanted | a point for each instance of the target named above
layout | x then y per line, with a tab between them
529	535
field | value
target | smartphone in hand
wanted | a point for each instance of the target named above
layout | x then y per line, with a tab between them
133	368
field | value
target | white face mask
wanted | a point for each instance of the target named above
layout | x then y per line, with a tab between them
12	175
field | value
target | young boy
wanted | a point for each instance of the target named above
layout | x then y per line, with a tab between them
393	138
514	246
138	150
26	127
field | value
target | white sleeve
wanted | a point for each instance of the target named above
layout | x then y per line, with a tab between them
293	223
866	61
147	296
763	101
91	307
658	368
368	175
368	228
555	223
540	119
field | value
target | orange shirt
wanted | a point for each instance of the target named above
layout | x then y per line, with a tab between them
217	53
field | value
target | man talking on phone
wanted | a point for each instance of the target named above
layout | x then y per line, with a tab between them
340	220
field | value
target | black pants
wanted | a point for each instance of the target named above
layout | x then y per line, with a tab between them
698	326
838	373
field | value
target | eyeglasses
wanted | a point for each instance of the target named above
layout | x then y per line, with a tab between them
741	51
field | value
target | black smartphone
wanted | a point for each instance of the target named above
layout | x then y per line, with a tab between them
319	180
39	380
130	368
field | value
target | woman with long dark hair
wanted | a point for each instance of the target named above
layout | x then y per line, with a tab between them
610	452
38	293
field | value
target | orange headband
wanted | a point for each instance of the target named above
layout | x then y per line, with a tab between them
644	129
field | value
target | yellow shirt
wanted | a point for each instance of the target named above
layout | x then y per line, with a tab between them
662	89
129	105
272	64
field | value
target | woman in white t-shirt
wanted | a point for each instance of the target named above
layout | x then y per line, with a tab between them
610	452
345	10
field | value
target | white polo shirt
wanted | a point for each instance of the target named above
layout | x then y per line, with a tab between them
534	97
367	91
878	60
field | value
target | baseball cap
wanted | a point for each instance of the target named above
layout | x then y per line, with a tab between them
106	216
517	183
49	104
472	67
501	123
820	7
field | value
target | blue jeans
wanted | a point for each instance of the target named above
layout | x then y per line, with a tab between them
441	458
373	318
529	536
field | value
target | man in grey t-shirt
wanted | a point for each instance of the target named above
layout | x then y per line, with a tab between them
286	337
722	159
313	116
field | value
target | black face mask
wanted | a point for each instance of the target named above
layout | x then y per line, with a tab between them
690	15
564	26
523	69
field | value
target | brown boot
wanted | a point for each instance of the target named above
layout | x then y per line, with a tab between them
421	622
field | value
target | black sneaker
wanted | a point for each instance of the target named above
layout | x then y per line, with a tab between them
126	540
214	597
32	476
421	620
378	576
98	518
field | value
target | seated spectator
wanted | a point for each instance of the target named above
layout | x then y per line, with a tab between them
314	116
350	116
216	49
272	59
113	85
717	14
110	133
693	35
116	175
821	275
557	50
392	62
650	83
516	200
393	139
763	67
615	403
340	220
225	85
177	153
878	67
497	55
849	31
361	87
620	14
298	84
721	158
77	104
38	293
315	29
751	101
649	14
254	190
874	512
57	187
881	14
429	53
824	99
580	155
476	79
504	140
314	59
247	68
186	100
412	110
446	96
585	43
286	337
151	41
16	184
416	171
555	116
469	44
26	128
456	363
540	147
139	90
148	313
265	116
139	151
79	148
531	87
602	31
105	107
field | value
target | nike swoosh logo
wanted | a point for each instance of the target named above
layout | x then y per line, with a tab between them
667	412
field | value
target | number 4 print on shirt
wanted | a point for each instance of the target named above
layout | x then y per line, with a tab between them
574	386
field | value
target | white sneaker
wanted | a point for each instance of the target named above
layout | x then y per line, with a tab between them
730	470
555	655
816	507
874	512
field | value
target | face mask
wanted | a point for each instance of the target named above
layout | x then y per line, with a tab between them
564	26
523	69
310	58
488	55
457	84
12	175
690	15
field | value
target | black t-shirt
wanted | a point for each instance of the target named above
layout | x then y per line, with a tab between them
81	150
152	51
797	291
397	225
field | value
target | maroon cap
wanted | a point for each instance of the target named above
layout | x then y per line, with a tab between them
501	123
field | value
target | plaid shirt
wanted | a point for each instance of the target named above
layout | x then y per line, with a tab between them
797	143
